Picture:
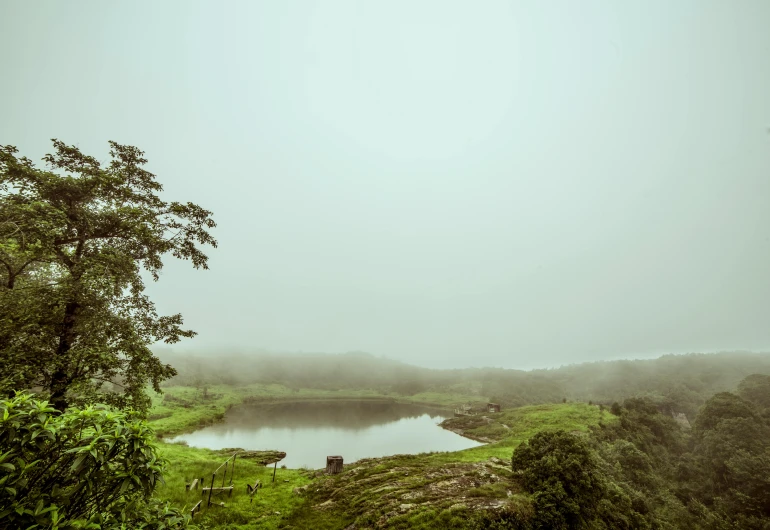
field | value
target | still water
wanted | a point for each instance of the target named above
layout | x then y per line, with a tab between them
309	431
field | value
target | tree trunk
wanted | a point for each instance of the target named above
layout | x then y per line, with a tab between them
333	465
60	379
58	389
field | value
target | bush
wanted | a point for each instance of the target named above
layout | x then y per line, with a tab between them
560	471
84	468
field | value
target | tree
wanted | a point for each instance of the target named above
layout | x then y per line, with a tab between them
732	449
755	388
84	468
560	470
720	407
74	239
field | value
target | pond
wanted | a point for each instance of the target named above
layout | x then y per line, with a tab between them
309	431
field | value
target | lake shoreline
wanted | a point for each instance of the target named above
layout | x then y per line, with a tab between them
182	410
309	430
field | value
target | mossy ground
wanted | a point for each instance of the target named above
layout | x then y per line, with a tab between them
436	490
430	490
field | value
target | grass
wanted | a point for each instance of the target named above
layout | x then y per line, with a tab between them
427	490
441	489
522	423
273	502
181	409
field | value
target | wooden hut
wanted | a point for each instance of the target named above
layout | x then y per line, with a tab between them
493	407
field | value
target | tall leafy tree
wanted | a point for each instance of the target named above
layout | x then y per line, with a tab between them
74	240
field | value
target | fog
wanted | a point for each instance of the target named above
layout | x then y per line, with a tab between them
448	184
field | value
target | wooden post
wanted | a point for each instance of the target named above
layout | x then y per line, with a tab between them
275	467
225	475
333	465
252	490
208	504
232	474
226	488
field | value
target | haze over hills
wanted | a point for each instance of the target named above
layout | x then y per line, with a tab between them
687	380
536	183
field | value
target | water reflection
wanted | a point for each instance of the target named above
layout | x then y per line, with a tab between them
308	431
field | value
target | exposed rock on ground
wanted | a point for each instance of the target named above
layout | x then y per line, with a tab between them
380	491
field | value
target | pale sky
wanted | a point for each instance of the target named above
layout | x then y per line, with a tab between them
518	184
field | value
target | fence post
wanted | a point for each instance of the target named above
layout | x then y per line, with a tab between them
208	504
232	475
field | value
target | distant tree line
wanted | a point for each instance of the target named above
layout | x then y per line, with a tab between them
677	383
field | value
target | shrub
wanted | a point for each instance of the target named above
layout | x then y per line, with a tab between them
83	468
560	471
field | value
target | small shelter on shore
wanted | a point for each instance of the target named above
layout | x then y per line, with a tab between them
493	407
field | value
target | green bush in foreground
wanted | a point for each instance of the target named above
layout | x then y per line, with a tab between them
83	468
560	471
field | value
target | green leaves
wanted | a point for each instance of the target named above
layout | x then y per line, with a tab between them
560	470
73	242
97	470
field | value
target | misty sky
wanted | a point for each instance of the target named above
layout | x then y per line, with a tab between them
518	184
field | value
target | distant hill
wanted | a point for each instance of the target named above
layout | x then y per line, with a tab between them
679	382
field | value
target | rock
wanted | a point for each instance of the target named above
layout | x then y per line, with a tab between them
277	513
406	507
301	489
411	495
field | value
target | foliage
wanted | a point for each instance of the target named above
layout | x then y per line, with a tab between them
676	383
645	469
714	477
560	471
732	450
756	390
84	468
73	242
274	501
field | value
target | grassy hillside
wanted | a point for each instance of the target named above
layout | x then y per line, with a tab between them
269	507
638	450
681	382
407	491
